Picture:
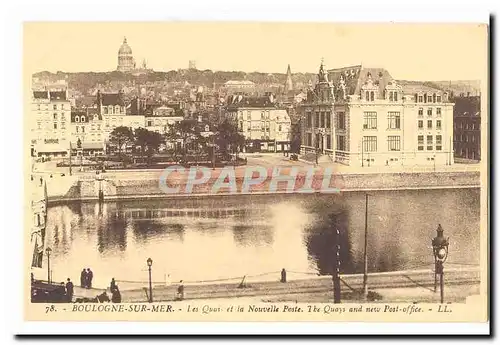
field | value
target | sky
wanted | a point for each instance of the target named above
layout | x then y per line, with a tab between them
407	51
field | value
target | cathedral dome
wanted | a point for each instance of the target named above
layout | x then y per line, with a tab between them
125	48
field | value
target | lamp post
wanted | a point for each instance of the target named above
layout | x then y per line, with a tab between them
48	250
440	251
149	261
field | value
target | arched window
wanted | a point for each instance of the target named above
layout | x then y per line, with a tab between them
395	96
372	96
77	119
367	95
83	119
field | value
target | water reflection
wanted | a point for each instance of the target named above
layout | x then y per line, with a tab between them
210	238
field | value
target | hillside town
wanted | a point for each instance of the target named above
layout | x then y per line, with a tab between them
355	115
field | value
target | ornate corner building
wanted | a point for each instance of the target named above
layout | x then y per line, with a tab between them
361	116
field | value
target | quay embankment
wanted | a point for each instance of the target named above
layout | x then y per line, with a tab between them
387	286
147	185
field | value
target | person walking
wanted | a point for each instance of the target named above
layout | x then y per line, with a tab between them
69	290
112	285
180	291
90	276
83	278
116	296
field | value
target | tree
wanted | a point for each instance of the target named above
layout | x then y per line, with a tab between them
141	139
121	136
228	138
184	130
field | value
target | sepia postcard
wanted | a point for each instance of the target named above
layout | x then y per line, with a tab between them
250	171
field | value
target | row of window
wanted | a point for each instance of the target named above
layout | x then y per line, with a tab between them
429	124
370	120
113	110
428	99
323	119
466	125
429	142
429	111
54	106
63	117
465	138
370	143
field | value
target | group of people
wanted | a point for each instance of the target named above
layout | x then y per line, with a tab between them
86	278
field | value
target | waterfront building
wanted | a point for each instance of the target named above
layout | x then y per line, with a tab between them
265	126
467	127
87	127
361	116
50	123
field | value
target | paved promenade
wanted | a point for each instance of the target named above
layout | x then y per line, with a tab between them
391	286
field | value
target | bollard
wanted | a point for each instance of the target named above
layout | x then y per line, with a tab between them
283	276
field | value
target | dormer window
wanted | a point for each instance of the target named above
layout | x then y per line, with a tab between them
77	119
420	99
429	99
83	118
438	99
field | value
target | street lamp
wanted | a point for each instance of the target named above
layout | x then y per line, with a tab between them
440	251
48	250
150	263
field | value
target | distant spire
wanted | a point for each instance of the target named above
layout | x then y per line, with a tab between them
289	82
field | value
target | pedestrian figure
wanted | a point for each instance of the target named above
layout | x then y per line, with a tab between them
69	290
83	278
116	297
90	275
103	297
283	276
112	285
180	291
41	180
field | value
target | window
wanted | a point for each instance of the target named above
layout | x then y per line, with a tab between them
322	119
367	95
98	127
372	96
434	98
438	111
262	115
393	96
429	124
105	110
63	125
420	111
429	143
150	123
394	143
55	125
420	142
55	116
429	99
279	128
77	128
63	118
394	119
370	120
62	106
309	119
328	142
420	99
309	139
55	107
249	125
438	99
316	120
439	140
370	144
249	115
341	120
328	119
267	114
420	124
83	118
438	124
83	129
429	112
